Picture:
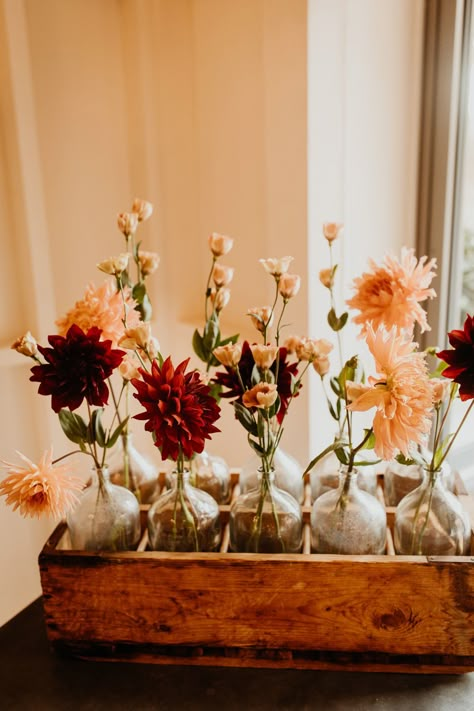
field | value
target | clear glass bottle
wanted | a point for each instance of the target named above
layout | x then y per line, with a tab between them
431	521
348	520
211	474
400	480
266	519
325	475
288	474
107	517
129	468
184	518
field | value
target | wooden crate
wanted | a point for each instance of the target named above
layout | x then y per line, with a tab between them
305	611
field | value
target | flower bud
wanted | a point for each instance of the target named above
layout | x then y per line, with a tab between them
321	365
127	223
262	395
293	343
142	209
115	265
220	299
128	369
222	275
262	317
325	277
332	230
220	244
149	262
289	285
153	347
264	356
26	345
310	349
229	355
440	389
276	266
138	337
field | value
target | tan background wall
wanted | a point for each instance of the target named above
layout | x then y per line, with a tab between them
200	106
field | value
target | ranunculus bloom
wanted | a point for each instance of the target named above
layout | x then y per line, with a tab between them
220	244
149	262
179	409
264	356
276	266
229	354
220	298
26	345
262	395
261	316
321	365
289	285
401	393
115	265
102	307
460	359
332	230
142	209
40	489
76	368
391	293
222	275
293	343
310	349
127	223
325	277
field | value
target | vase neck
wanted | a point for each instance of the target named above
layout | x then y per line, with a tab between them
433	478
265	475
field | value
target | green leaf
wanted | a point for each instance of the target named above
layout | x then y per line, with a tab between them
337	323
272	411
348	372
332	411
256	446
96	428
211	336
332	448
116	433
139	291
415	458
73	426
230	339
370	444
246	418
335	387
367	463
198	346
145	309
342	455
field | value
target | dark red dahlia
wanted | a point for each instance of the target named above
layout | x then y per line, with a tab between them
460	360
287	373
179	409
76	367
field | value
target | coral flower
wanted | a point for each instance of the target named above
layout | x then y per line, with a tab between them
179	409
460	359
76	368
390	293
102	307
262	395
42	488
401	393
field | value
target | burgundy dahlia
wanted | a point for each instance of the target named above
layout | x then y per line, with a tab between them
460	359
77	366
179	410
229	379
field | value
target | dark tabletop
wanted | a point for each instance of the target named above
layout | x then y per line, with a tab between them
32	677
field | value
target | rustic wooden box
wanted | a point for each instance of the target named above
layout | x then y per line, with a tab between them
306	611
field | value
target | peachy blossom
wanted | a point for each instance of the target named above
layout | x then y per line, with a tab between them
276	266
220	244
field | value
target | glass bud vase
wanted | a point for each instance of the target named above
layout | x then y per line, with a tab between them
184	518
348	520
129	468
107	517
400	480
325	476
266	519
211	474
431	521
288	474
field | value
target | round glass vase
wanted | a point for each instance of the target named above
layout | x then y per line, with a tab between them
288	474
348	520
266	519
431	521
325	476
107	517
184	518
401	479
212	475
129	468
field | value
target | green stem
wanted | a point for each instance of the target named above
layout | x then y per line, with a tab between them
265	325
333	306
208	285
415	521
458	429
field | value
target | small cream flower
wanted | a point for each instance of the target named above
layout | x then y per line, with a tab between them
262	317
220	298
222	275
293	343
262	395
276	266
153	347
115	265
142	209
138	337
149	262
128	369
440	389
332	230
127	223
325	277
264	356
229	355
321	365
26	345
289	285
220	244
310	349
